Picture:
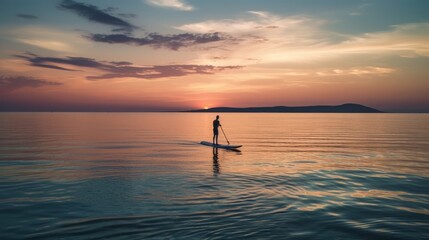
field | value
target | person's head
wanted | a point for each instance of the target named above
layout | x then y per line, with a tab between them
217	116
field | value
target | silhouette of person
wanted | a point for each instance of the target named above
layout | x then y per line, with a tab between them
216	125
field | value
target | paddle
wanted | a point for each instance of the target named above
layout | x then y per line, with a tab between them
224	134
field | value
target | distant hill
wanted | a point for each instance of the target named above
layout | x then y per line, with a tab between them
344	108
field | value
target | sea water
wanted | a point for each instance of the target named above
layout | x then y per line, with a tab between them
145	175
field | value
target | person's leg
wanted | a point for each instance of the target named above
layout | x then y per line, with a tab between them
217	135
214	135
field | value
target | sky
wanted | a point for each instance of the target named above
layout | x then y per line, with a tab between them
167	55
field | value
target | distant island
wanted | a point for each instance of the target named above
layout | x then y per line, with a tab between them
344	108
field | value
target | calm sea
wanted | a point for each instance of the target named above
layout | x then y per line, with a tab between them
145	175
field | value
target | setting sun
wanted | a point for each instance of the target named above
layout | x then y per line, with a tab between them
270	54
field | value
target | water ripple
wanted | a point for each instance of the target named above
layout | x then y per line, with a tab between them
88	176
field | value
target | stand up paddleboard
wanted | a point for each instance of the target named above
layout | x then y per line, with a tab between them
220	145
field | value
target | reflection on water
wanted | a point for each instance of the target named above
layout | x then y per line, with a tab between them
144	175
216	167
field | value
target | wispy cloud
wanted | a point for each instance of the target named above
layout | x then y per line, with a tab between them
54	39
255	22
263	36
47	44
93	13
58	63
163	71
175	4
10	83
359	9
27	16
172	41
369	70
328	72
155	40
121	69
275	40
406	39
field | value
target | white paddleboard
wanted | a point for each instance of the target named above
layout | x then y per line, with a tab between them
220	145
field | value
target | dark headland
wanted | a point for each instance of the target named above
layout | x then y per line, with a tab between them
344	108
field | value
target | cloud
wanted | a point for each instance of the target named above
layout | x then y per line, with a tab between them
359	9
172	41
53	39
254	22
121	69
127	15
406	39
369	70
155	40
93	13
47	44
10	83
52	62
176	4
27	16
332	72
263	36
153	72
279	41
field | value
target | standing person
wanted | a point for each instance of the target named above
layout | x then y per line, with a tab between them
216	125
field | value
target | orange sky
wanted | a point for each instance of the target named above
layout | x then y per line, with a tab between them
165	56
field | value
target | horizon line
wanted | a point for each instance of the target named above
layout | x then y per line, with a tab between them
191	111
213	109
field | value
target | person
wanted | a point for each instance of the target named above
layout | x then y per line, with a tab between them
216	125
